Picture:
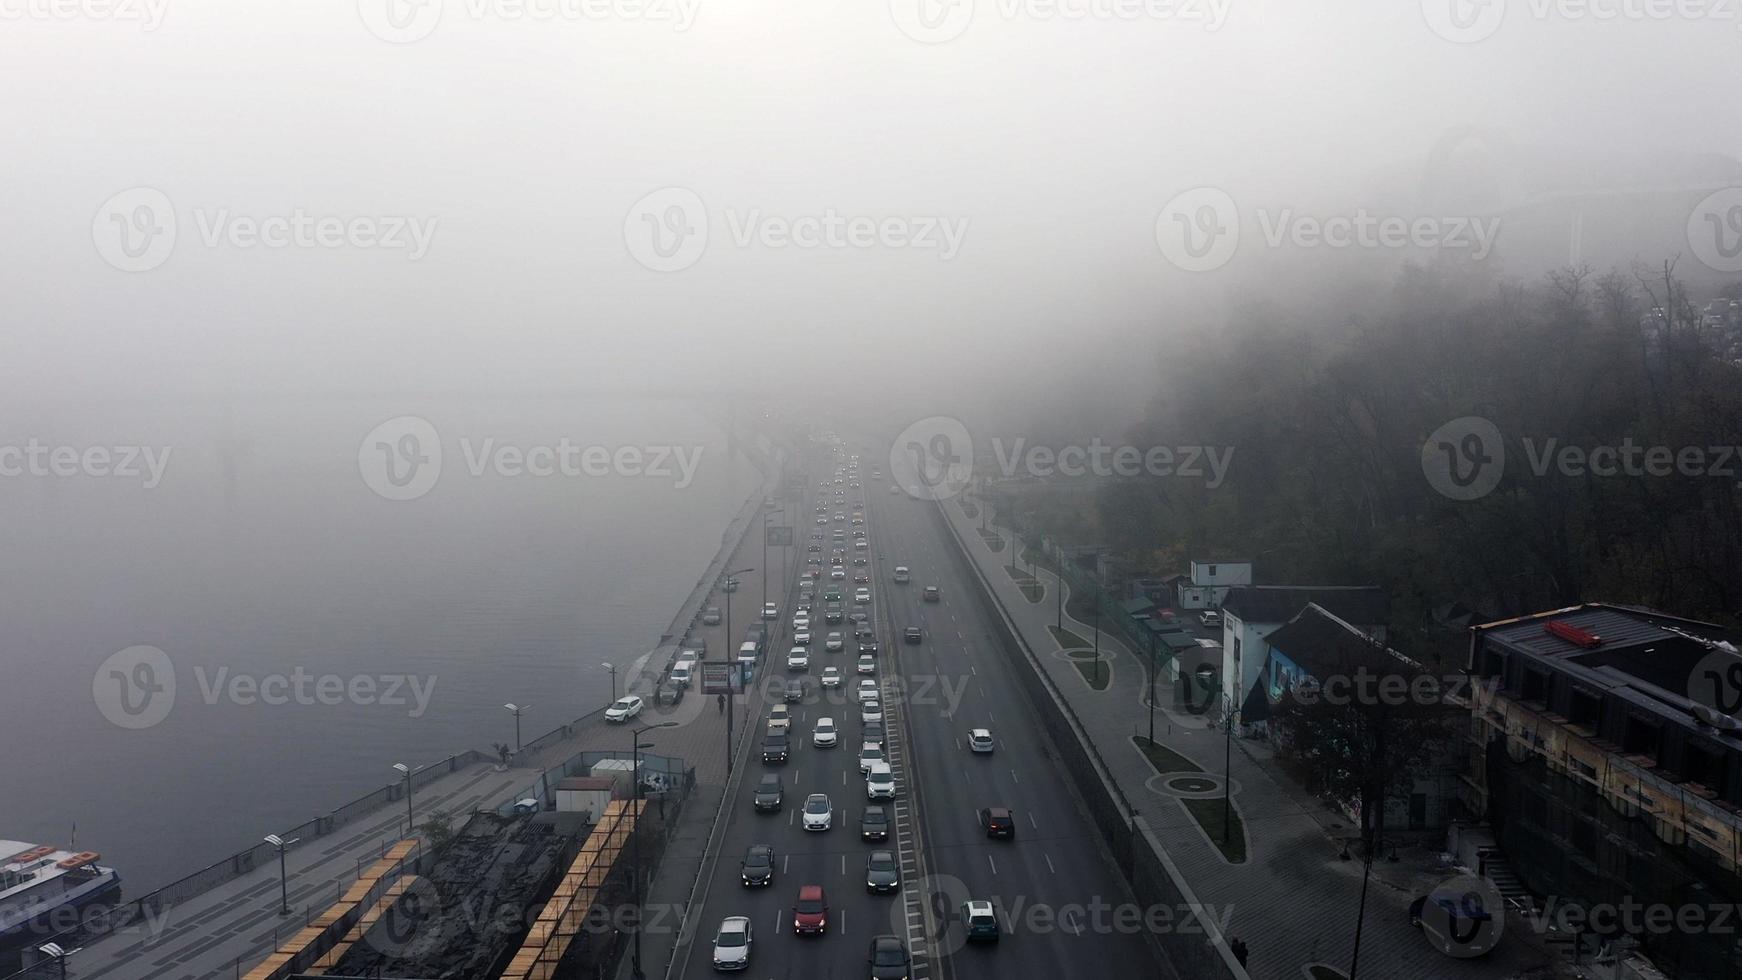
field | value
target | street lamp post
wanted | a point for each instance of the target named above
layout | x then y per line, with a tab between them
405	771
283	880
613	669
636	745
730	659
518	708
1227	758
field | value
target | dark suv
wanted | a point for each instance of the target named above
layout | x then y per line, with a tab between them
768	794
774	748
997	821
757	870
874	824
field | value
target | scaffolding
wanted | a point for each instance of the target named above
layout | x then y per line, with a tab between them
331	927
564	915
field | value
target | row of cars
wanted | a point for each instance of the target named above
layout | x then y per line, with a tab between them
821	596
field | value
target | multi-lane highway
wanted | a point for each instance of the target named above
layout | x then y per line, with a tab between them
1046	883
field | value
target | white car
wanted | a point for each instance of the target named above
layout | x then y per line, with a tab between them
825	735
834	643
1210	617
770	611
831	677
870	752
980	740
819	813
862	597
901	573
801	637
798	659
861	545
802	621
623	709
732	944
837	573
779	718
867	690
867	664
880	782
870	711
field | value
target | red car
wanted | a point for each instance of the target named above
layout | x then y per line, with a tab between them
811	914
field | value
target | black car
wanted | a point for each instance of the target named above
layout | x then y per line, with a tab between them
768	794
931	594
888	958
882	872
757	871
874	824
868	646
998	821
793	692
774	748
873	732
911	635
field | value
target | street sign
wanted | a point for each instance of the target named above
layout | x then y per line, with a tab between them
717	677
779	536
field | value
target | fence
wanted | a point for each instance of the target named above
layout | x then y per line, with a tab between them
150	906
1142	860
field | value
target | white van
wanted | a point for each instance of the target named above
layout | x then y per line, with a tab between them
901	573
680	674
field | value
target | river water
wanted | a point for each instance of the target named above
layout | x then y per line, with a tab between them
265	556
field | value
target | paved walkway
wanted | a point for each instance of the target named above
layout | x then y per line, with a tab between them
1293	900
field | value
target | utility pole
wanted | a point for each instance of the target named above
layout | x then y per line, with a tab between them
1151	687
1097	640
1227	760
734	670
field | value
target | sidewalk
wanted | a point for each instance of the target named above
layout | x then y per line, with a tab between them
1292	900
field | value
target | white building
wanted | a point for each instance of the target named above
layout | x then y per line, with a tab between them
1251	613
1207	582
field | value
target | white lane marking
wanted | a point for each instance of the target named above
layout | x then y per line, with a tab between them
1031	822
779	914
791	817
843	922
1013	777
843	864
1049	866
993	863
785	863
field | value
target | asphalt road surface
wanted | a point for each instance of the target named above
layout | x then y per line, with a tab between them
1053	884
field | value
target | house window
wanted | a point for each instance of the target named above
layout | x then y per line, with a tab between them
1212	571
1535	686
1639	737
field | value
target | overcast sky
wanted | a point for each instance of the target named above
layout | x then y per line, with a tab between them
1007	166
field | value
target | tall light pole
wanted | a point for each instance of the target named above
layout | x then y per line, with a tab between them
731	659
283	880
613	669
405	770
518	708
636	746
1227	758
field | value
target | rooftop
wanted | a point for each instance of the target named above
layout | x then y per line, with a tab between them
1362	605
